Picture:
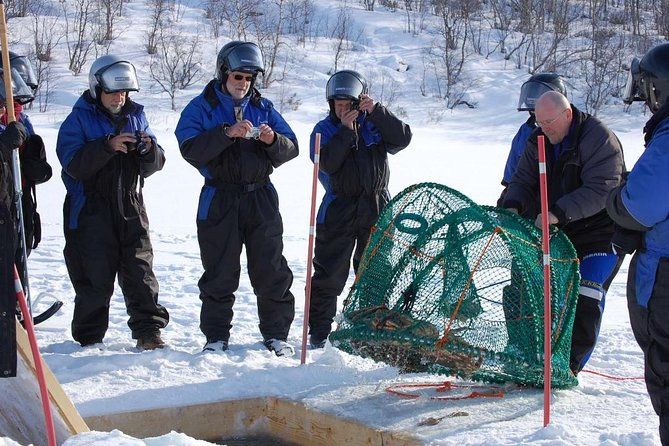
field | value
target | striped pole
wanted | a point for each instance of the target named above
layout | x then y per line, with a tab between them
545	242
37	359
310	249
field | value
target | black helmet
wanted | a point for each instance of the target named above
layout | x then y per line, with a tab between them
22	68
648	80
239	56
346	84
537	85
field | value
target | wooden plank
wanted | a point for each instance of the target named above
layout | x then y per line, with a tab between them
59	399
294	422
210	421
256	417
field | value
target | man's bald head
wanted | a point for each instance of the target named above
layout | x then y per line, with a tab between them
554	115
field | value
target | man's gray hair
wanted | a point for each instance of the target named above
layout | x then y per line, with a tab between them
558	100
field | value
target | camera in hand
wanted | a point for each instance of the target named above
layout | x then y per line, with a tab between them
355	105
253	133
140	145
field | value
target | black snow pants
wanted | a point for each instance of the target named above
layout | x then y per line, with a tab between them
344	231
243	215
7	295
105	244
651	329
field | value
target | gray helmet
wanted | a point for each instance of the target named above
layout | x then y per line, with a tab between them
648	79
112	74
537	85
21	92
22	67
345	84
239	56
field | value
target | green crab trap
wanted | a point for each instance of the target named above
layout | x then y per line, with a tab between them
451	287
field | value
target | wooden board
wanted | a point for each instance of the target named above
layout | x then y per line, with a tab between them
256	417
21	414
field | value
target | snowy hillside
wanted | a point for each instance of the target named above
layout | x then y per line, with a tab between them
464	148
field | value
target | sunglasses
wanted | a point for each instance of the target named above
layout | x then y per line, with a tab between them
239	77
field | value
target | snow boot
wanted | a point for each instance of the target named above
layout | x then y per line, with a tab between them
150	342
316	343
215	346
279	347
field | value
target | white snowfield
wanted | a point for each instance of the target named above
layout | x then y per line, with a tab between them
465	149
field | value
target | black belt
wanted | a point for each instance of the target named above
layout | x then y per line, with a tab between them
233	187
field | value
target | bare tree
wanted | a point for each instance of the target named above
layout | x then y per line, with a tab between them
17	8
156	19
239	15
108	12
46	36
78	29
46	80
268	31
341	35
177	62
300	18
368	4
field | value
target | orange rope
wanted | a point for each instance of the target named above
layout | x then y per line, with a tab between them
445	386
615	378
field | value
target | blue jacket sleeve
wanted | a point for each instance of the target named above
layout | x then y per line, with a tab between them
641	195
284	148
80	159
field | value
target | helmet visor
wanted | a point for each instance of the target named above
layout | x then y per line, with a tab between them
344	86
25	69
632	91
120	76
530	92
245	57
20	91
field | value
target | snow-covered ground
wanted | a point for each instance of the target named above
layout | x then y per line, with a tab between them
465	149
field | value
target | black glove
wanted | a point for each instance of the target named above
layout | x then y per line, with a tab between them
14	135
626	241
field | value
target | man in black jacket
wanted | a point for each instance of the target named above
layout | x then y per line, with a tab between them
584	163
107	149
356	138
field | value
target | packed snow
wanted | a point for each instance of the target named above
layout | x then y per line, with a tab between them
463	148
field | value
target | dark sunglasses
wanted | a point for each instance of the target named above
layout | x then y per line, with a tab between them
239	77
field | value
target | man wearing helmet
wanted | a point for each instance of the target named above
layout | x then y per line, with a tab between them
107	149
34	170
640	207
584	161
530	91
235	138
32	154
356	138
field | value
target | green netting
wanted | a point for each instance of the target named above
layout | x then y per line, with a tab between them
450	287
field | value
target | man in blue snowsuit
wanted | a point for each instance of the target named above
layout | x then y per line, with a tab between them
641	209
530	91
584	162
235	138
356	138
107	149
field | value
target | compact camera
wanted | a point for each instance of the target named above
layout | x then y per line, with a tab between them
253	133
138	145
355	105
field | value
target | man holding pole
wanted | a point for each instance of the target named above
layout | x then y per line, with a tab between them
357	137
584	163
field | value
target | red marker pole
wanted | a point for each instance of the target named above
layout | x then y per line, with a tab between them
545	243
37	358
310	249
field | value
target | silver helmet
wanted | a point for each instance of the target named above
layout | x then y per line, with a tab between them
112	74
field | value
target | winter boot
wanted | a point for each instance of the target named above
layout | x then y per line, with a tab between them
279	347
215	346
316	342
150	341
